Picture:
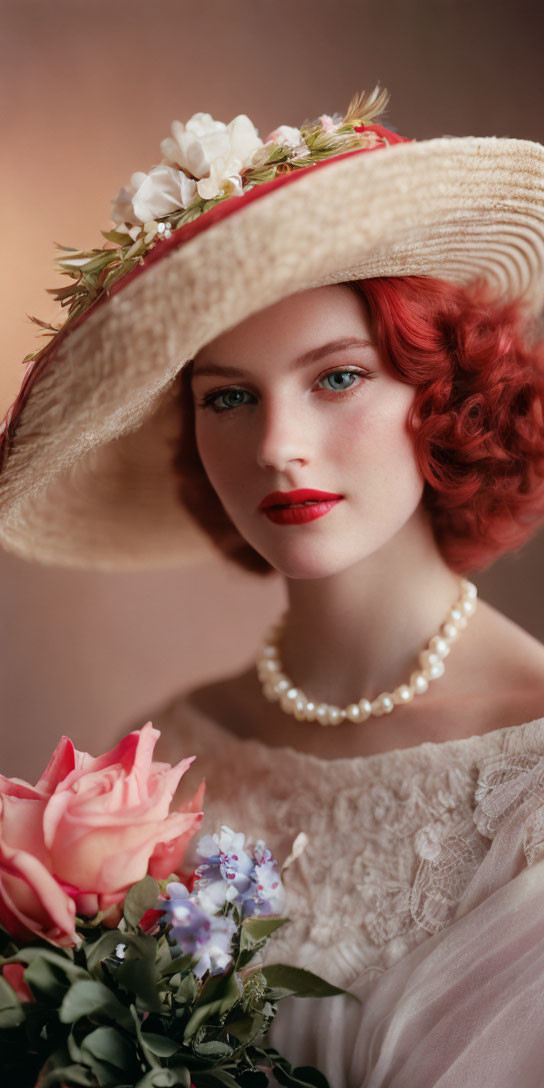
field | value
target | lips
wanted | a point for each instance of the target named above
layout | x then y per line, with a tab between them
282	499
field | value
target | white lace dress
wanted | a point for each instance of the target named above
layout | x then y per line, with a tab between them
421	890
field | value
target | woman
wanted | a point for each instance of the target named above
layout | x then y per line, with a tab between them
334	341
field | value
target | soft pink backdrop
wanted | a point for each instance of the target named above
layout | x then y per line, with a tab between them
88	91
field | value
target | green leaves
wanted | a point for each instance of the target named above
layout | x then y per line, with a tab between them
94	1000
141	897
255	930
159	1045
254	933
108	1053
11	1010
120	1011
220	1000
300	983
303	1076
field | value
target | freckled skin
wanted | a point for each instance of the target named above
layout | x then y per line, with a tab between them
292	428
366	583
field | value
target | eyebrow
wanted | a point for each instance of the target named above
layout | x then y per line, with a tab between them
311	356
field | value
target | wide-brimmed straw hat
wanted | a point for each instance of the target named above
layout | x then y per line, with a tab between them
226	225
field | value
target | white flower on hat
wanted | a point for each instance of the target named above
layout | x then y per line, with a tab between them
163	191
212	152
288	136
149	196
328	123
122	208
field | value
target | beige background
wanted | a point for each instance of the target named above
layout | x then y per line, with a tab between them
88	91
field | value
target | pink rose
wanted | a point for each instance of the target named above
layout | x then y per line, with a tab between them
88	830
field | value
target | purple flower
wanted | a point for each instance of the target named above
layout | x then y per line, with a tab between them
224	873
207	938
266	895
227	873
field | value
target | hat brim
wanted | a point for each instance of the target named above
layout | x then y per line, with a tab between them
87	477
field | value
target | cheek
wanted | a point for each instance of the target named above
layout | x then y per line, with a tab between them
222	458
374	446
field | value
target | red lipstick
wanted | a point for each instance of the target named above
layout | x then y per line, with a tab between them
298	507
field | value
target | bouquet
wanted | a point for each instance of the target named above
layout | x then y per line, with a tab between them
119	967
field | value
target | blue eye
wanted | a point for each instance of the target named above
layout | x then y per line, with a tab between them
226	399
233	399
344	374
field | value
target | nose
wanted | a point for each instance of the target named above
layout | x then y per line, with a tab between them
281	440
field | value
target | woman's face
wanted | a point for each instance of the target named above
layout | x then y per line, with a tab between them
297	397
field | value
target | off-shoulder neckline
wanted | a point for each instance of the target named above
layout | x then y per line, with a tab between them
458	745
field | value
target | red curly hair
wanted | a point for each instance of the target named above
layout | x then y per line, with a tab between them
477	419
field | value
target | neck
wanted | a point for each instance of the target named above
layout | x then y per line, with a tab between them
359	632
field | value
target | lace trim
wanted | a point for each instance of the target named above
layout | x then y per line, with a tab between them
393	843
505	783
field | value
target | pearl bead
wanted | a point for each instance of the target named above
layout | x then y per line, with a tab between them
428	658
403	694
281	684
469	589
377	708
271	665
271	692
336	716
383	704
353	712
439	646
468	606
277	686
457	617
419	682
286	703
436	670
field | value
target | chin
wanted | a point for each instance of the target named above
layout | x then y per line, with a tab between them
300	564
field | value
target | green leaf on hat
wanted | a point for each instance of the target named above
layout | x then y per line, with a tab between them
115	236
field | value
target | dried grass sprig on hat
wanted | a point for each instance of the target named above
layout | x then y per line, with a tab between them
94	271
87	447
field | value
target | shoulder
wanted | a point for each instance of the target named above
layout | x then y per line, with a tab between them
186	718
507	653
505	671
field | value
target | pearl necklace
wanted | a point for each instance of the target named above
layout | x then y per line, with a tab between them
277	687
